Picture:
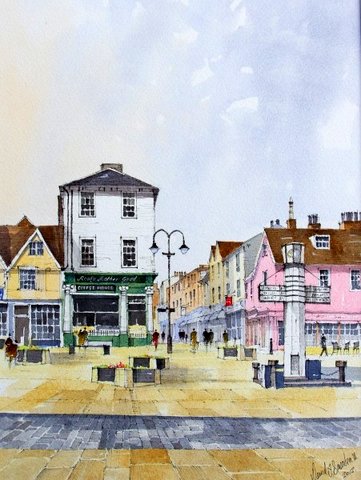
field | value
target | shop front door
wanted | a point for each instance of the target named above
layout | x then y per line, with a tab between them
21	325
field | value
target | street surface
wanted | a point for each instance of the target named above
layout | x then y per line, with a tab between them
207	419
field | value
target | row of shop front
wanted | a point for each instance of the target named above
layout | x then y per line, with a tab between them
258	328
113	308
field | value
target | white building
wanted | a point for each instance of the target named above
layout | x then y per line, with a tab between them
109	222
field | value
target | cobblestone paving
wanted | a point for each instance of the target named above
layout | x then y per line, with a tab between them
137	432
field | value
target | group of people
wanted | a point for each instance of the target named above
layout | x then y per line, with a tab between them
183	336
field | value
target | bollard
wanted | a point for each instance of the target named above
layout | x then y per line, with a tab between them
272	364
255	366
341	365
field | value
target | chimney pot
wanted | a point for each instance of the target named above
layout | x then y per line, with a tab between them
114	166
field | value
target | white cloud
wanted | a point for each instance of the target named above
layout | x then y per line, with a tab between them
202	74
138	10
247	70
235	4
249	104
338	131
245	105
160	119
205	99
186	37
216	59
239	19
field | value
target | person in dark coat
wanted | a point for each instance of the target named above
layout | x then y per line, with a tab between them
323	345
225	338
163	336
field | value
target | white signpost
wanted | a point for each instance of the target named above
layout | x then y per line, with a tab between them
294	294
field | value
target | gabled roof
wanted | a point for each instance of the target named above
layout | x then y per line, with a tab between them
109	178
345	245
14	237
225	248
251	248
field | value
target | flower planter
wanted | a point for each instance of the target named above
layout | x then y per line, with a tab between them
34	356
106	374
230	352
141	362
143	375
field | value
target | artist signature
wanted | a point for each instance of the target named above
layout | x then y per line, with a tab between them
334	467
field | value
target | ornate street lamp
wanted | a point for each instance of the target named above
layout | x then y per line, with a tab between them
154	249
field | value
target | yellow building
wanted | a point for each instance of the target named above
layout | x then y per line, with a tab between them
187	293
30	307
217	273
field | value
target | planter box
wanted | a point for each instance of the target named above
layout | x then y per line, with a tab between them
230	352
141	362
248	353
143	375
34	356
106	374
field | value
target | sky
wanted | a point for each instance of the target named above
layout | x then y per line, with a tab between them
229	107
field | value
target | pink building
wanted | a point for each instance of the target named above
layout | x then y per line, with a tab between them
332	258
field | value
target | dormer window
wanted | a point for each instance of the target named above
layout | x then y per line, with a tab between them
36	248
264	250
322	241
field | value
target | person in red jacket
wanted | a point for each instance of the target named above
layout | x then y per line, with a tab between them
155	339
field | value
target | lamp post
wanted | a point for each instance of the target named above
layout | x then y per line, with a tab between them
154	249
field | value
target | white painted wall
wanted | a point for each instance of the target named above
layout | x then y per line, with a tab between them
107	227
235	274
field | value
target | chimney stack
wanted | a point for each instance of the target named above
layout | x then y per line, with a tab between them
313	222
114	166
291	222
350	221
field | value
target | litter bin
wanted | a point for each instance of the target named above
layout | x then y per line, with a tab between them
313	369
106	349
71	349
279	376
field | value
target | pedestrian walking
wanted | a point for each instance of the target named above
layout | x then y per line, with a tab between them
163	336
211	337
155	339
225	338
205	338
194	340
186	337
82	337
323	345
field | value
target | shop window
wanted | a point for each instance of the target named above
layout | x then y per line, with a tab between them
238	288
45	322
3	318
96	311
136	310
281	333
